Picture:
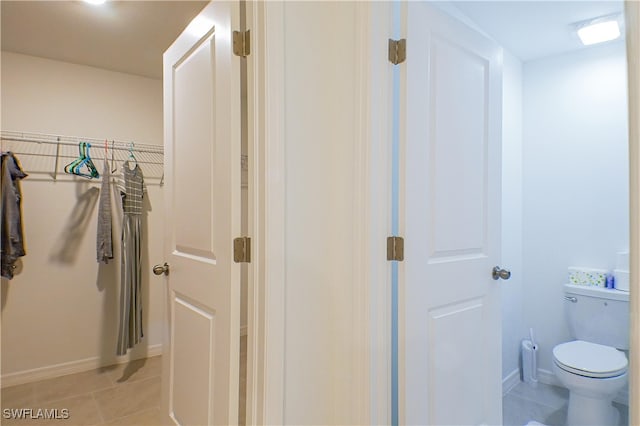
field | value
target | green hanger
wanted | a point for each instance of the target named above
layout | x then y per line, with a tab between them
84	159
69	167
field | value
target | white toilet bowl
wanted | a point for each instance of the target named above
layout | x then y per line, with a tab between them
594	374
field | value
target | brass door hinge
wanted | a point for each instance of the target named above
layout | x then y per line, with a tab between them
242	43
242	250
397	51
395	248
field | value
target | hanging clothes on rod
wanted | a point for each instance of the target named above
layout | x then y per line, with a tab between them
104	237
46	155
132	190
13	246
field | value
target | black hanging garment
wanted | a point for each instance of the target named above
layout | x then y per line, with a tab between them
11	214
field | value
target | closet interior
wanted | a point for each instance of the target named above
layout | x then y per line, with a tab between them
61	311
65	301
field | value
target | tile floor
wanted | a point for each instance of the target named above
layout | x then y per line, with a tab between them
545	404
129	395
125	395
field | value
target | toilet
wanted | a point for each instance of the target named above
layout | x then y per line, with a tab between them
593	367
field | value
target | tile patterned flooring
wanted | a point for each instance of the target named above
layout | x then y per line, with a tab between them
129	395
545	404
125	395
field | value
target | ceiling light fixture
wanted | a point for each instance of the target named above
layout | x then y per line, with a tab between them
599	30
95	2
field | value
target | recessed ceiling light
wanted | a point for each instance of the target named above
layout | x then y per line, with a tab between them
599	31
95	2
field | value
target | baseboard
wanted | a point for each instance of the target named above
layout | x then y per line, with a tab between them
51	371
544	376
548	378
510	381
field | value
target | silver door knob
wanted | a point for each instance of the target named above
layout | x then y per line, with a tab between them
161	269
498	272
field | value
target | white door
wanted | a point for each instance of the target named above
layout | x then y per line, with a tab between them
450	354
202	146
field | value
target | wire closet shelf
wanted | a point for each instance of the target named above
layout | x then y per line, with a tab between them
44	156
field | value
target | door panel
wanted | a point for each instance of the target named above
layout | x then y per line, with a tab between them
450	318
458	170
194	123
191	363
202	142
453	353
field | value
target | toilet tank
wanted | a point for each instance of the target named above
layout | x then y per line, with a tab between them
598	315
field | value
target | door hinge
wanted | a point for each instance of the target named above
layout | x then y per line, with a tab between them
242	250
242	43
397	51
395	248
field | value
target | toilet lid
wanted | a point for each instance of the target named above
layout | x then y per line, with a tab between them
590	359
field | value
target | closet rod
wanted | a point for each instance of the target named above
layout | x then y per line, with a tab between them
74	141
149	154
69	157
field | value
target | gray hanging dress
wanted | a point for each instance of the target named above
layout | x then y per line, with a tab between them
104	239
132	189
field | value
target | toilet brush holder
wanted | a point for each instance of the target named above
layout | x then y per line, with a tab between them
529	356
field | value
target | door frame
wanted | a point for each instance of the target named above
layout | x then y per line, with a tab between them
266	278
632	16
266	367
378	175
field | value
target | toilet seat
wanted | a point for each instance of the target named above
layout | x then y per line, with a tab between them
590	359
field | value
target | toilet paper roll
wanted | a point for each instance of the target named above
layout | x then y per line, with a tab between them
529	362
622	260
621	279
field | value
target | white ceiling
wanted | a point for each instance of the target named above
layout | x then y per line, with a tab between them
535	29
130	36
125	36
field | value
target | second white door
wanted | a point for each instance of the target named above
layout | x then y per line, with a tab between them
450	330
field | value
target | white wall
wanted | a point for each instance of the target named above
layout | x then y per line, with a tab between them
62	308
512	291
575	182
320	133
